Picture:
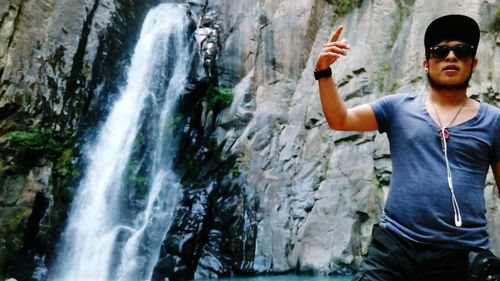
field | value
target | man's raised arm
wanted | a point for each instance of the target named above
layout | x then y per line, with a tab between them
338	116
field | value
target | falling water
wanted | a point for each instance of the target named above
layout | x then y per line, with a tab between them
125	200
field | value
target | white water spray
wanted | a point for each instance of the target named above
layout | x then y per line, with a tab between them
102	241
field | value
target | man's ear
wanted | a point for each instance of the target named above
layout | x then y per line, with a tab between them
474	63
425	64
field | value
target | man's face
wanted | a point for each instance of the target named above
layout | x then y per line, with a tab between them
452	71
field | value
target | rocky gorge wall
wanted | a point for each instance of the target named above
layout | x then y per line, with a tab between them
300	198
320	191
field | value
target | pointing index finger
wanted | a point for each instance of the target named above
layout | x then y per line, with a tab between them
336	35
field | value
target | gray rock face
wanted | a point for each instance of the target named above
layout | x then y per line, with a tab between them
320	191
309	195
40	60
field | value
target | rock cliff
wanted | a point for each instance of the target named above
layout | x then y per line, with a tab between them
289	194
320	191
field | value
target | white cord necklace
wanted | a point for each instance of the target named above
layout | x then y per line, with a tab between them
443	135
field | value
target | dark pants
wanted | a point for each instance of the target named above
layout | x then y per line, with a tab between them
394	258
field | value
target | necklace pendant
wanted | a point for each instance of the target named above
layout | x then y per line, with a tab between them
445	131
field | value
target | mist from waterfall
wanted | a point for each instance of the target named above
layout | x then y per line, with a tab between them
125	200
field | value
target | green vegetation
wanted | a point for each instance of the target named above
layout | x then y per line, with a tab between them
11	227
396	28
64	162
384	71
11	235
33	148
64	168
394	86
171	125
140	180
490	76
491	97
136	178
245	159
243	165
34	141
343	6
219	97
235	171
496	20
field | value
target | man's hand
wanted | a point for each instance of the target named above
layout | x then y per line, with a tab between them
332	50
337	115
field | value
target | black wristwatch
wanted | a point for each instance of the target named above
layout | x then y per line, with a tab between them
327	72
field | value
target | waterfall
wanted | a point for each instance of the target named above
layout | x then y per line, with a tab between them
125	200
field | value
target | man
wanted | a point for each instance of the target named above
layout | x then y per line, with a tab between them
442	145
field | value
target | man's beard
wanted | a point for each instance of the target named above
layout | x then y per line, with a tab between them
439	86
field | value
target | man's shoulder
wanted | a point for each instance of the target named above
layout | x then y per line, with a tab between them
401	97
491	114
491	108
491	111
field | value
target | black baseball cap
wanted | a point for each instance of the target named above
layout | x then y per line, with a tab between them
452	27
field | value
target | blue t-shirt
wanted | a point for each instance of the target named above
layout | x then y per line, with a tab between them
419	204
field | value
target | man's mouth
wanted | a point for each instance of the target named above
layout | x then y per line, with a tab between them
451	67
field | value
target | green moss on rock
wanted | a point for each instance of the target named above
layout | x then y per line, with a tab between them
342	7
219	97
34	141
491	96
63	165
496	20
12	230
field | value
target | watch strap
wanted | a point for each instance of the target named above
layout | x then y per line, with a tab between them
327	72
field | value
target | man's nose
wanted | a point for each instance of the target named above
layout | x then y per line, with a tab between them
451	56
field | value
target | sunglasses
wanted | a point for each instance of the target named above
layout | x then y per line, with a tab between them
461	51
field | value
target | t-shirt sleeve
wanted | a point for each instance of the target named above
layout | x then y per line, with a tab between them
383	108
